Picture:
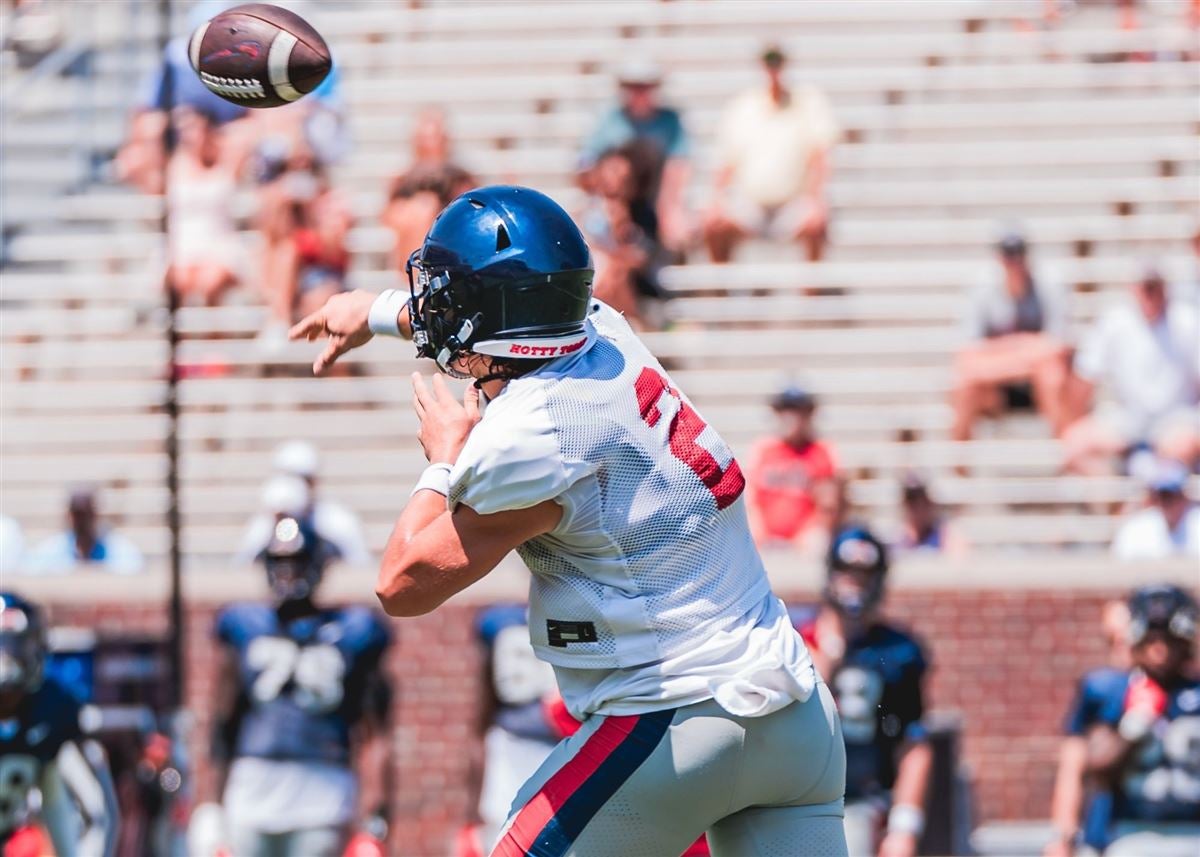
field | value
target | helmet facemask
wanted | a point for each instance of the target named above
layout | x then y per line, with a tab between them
438	332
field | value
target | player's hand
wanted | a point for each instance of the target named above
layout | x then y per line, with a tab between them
343	319
898	845
445	422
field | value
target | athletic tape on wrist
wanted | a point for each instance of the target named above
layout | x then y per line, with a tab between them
905	818
384	316
435	477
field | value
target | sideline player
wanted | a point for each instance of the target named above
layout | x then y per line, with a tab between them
49	773
520	718
299	688
647	597
876	671
1144	734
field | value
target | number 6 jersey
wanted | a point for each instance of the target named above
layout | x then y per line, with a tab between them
303	683
652	569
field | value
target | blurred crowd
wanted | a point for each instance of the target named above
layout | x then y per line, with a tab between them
1121	394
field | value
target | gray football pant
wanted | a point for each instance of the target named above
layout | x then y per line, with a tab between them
648	786
309	842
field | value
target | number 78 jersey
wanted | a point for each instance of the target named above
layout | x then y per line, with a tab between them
653	555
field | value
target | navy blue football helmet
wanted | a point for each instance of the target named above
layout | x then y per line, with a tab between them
504	271
295	560
22	644
1162	607
855	548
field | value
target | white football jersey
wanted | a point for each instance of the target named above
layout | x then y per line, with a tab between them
653	556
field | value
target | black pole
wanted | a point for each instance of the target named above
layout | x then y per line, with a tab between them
171	402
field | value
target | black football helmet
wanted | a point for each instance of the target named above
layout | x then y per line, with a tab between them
295	560
22	644
504	271
1162	607
855	548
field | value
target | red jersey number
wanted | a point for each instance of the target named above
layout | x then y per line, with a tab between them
726	485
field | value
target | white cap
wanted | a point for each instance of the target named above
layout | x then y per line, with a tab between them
640	71
286	494
297	457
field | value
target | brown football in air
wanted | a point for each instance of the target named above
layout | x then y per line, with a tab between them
259	55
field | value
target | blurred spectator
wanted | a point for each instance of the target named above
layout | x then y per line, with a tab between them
307	258
655	135
292	492
924	526
1169	525
1016	321
141	159
85	543
427	186
206	254
785	468
1147	353
830	513
301	717
626	258
12	544
876	672
33	30
1137	729
521	719
773	149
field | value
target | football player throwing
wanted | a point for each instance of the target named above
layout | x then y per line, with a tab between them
647	596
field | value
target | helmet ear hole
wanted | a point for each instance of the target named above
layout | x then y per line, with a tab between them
503	242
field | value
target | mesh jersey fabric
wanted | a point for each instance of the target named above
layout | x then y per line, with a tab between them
648	559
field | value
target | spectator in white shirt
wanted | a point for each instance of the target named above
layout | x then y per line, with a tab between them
1168	526
85	543
12	544
332	521
1146	354
773	147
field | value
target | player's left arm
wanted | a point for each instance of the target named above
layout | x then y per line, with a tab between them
344	321
906	820
433	552
79	807
374	755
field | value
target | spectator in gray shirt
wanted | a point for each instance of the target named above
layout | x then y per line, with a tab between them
1017	357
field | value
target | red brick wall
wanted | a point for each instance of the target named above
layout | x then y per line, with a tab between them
1007	660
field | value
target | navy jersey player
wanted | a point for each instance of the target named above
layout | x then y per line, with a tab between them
1080	814
1143	742
519	715
302	690
647	595
876	671
50	774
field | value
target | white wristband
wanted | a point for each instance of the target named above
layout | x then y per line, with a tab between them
906	818
436	477
384	316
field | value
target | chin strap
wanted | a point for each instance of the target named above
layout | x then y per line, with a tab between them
456	342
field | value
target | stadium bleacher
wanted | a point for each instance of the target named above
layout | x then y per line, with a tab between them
1105	175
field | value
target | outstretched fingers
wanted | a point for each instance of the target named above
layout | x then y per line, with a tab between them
310	327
